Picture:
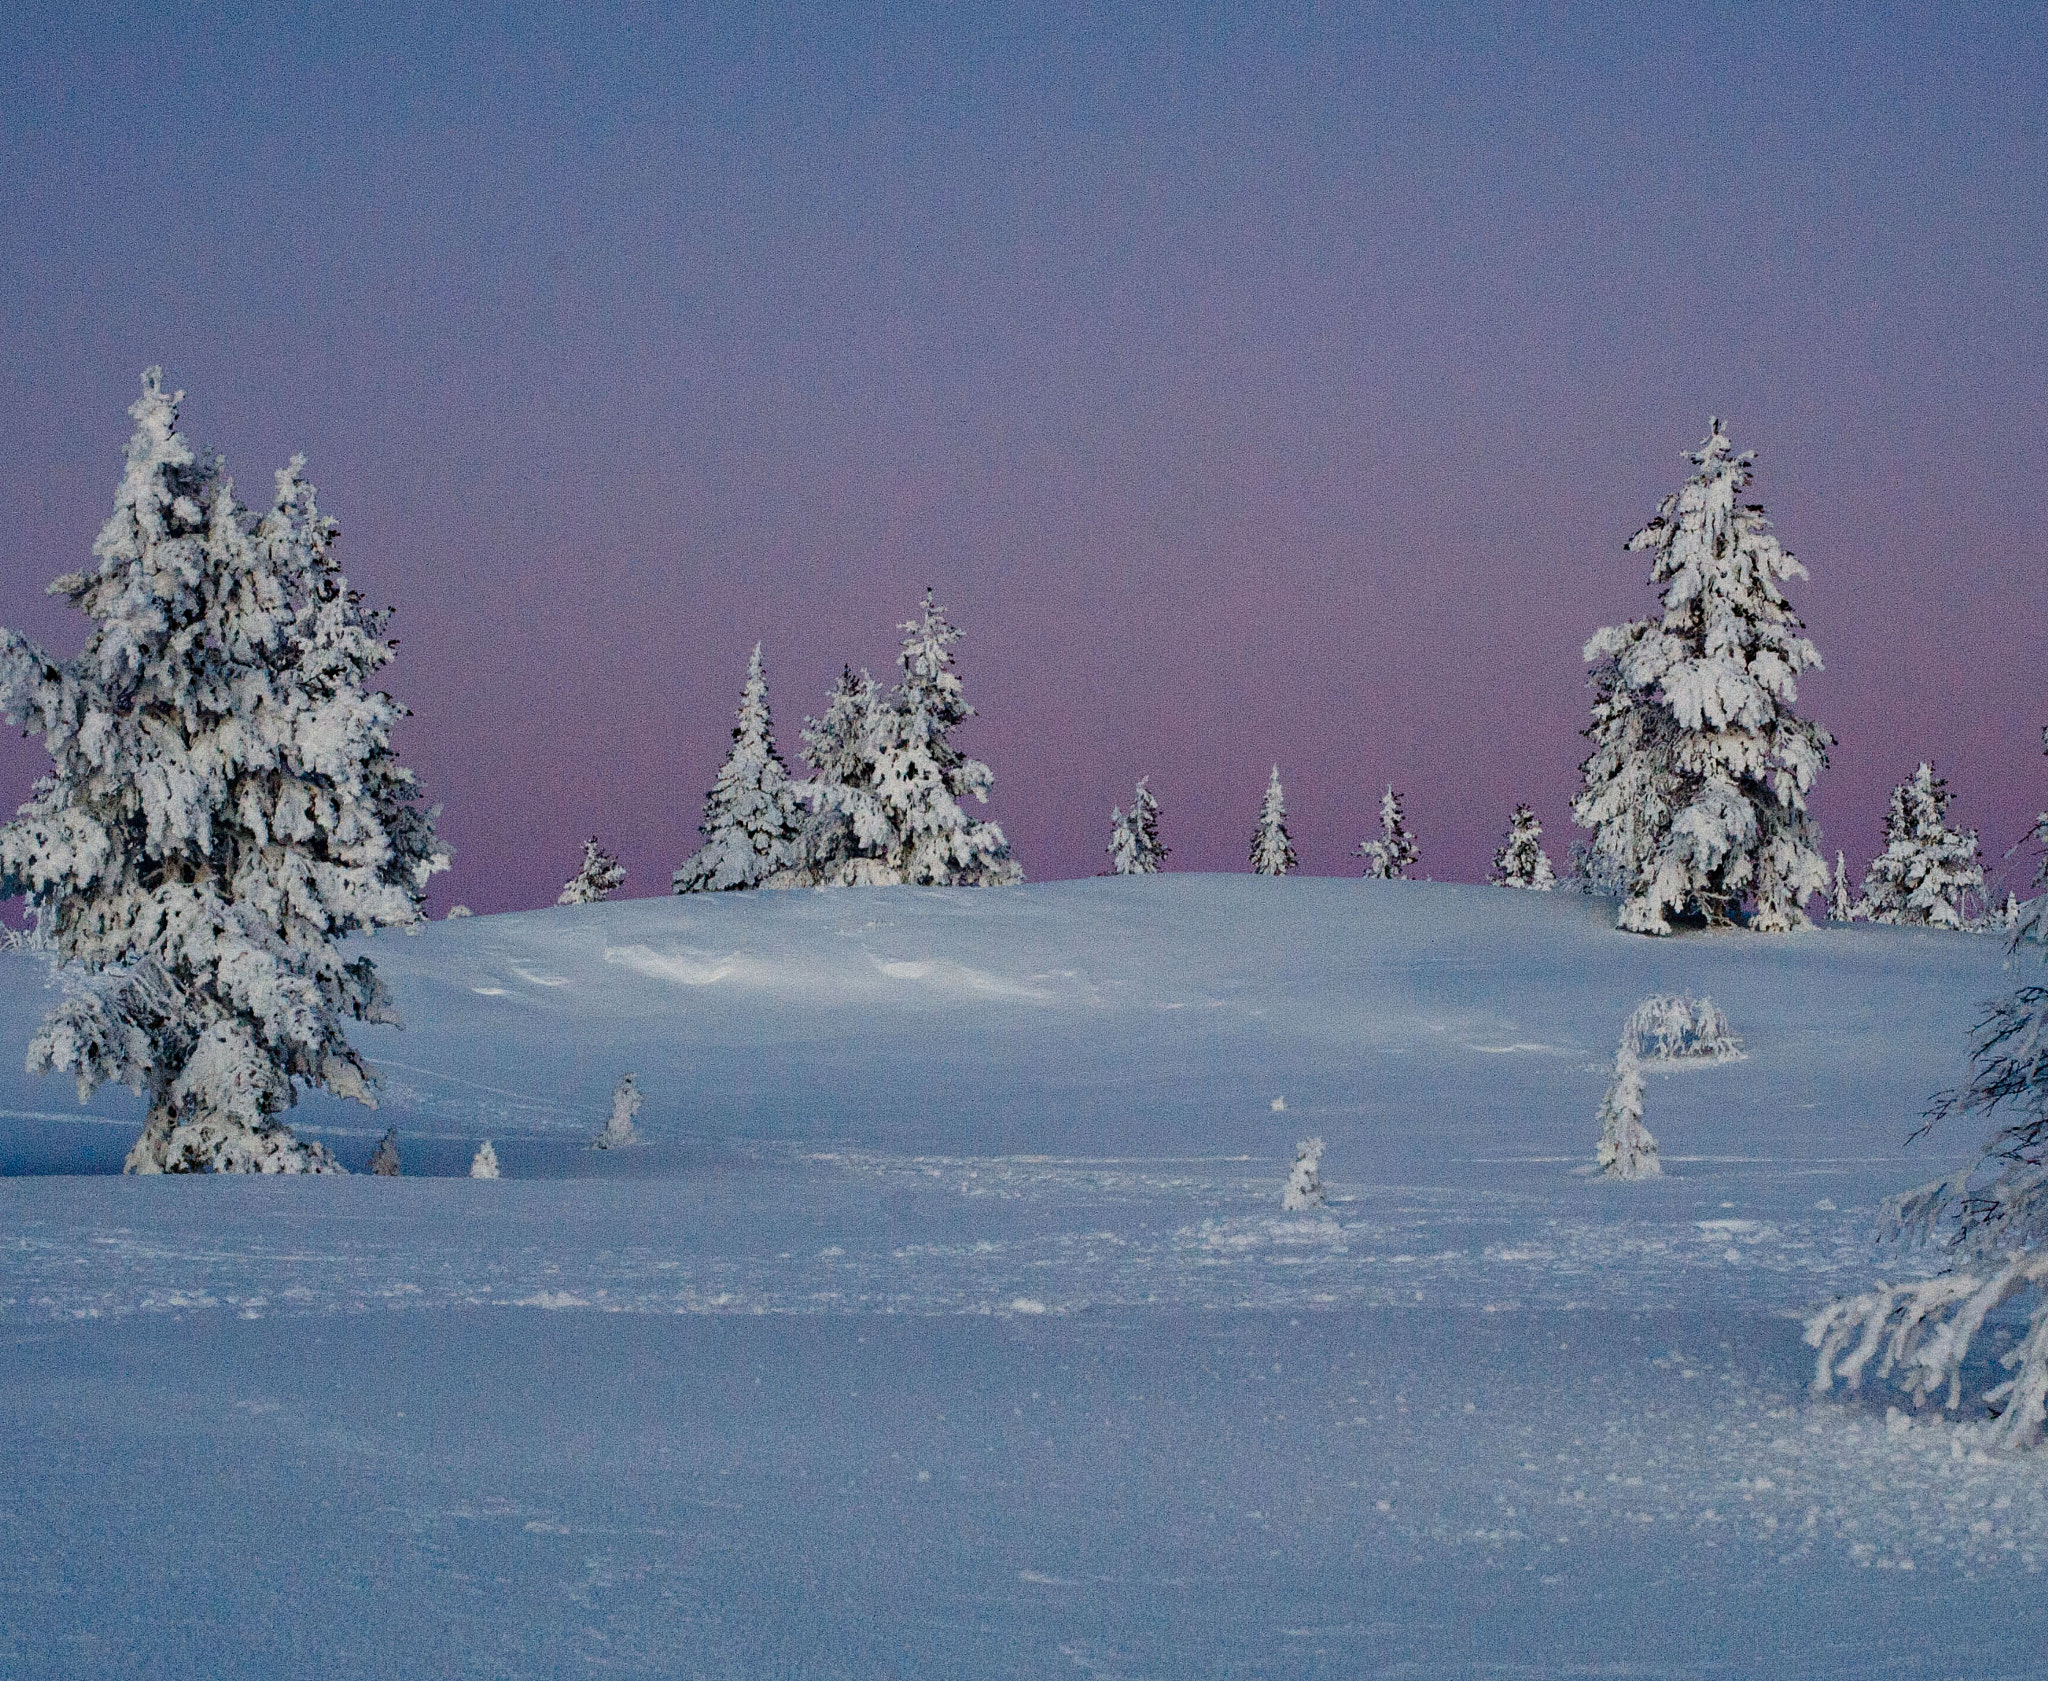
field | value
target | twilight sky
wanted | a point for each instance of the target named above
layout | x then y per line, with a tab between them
1252	385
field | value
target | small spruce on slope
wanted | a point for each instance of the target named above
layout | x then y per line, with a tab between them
1135	848
1696	786
1926	867
1272	849
1393	855
224	809
1521	860
600	876
751	818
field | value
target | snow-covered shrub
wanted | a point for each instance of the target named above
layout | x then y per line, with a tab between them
1521	861
1135	848
600	876
1991	1217
1696	786
1626	1151
1926	867
456	912
1391	856
1304	1184
618	1129
484	1165
224	809
885	803
1668	1027
1272	848
752	816
384	1164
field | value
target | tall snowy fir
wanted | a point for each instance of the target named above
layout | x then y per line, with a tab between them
886	801
1521	860
1391	856
752	819
1696	786
1926	867
597	879
1135	848
224	809
1272	849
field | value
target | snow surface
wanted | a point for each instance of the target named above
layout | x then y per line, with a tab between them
947	1323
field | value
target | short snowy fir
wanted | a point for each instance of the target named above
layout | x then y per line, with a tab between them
224	809
1135	848
618	1130
1841	901
885	803
1696	786
1304	1184
1992	1217
1272	849
384	1164
485	1163
1926	867
1393	855
1627	1151
600	877
1521	860
752	816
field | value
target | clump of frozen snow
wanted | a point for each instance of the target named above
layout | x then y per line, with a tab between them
1304	1184
485	1163
618	1129
1675	1027
457	911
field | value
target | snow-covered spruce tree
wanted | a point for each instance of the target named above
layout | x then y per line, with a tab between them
600	877
618	1129
1841	902
1272	848
224	808
1696	786
1521	861
1304	1184
384	1164
886	802
1993	1219
751	816
484	1165
1135	848
1391	856
1627	1151
1926	867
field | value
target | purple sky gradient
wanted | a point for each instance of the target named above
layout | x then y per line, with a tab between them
1250	387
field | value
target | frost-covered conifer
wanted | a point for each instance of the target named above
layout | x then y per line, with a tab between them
1696	786
751	816
1272	848
1926	867
618	1129
1671	1028
886	801
1521	861
384	1164
484	1165
1391	856
600	877
1135	848
1304	1184
1841	902
1627	1151
224	809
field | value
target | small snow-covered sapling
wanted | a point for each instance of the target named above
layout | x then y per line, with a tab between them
384	1164
485	1166
1304	1185
1627	1151
618	1130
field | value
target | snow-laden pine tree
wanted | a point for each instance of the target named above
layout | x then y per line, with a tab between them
484	1165
752	817
224	809
1926	867
1391	856
1272	848
1841	902
1135	848
1521	860
1696	786
384	1164
886	800
618	1129
1627	1151
1304	1184
600	877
